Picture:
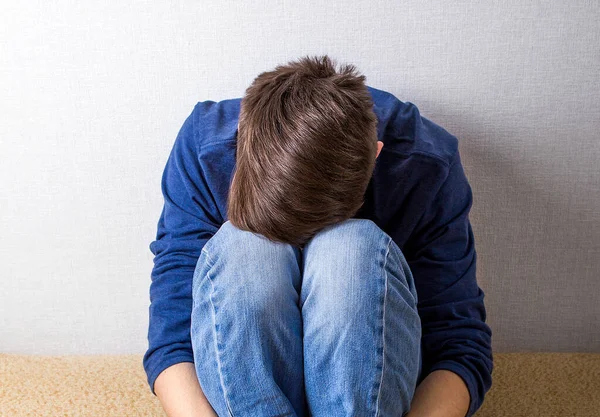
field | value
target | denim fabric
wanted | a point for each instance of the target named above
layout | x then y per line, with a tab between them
328	330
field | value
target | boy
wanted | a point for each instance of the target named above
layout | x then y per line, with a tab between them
314	257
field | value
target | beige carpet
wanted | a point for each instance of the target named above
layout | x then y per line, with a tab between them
524	384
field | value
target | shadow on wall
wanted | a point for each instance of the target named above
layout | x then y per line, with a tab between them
536	220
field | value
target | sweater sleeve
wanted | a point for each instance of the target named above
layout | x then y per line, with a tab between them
455	336
183	228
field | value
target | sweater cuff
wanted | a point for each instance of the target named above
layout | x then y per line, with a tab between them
468	379
155	370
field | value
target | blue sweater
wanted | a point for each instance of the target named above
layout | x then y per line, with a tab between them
418	194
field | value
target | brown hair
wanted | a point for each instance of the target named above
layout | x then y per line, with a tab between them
306	150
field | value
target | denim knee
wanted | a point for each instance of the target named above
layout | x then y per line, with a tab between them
248	267
346	259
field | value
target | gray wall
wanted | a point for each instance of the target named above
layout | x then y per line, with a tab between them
93	94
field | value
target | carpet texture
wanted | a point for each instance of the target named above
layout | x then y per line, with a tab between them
524	384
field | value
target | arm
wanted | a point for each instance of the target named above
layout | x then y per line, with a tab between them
184	226
180	394
455	337
441	394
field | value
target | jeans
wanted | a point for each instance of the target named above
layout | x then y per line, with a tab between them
328	330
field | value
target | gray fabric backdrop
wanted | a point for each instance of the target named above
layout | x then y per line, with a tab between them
93	94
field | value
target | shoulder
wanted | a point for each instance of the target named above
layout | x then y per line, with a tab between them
401	127
406	132
215	121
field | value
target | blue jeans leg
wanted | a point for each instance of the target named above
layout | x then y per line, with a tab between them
361	328
331	330
246	327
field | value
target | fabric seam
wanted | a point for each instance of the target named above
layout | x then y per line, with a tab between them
383	326
213	316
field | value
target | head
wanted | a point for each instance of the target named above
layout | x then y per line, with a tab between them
306	150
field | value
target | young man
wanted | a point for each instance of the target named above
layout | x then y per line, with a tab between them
314	257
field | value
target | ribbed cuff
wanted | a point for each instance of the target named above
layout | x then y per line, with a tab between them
467	377
163	364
